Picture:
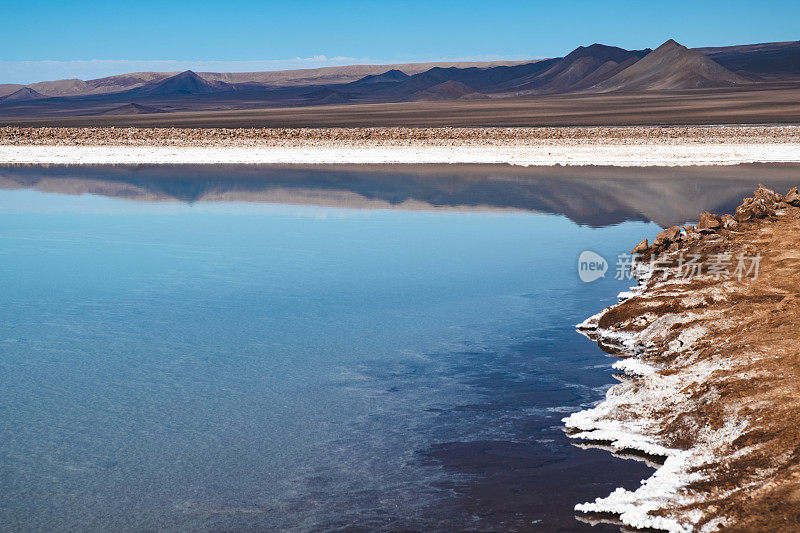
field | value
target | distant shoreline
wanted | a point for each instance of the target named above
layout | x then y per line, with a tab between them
615	146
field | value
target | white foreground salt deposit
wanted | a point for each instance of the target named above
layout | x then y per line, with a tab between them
632	415
618	155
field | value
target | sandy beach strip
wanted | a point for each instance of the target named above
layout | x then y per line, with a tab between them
620	146
711	362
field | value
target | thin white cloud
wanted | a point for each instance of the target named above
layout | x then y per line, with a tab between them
26	72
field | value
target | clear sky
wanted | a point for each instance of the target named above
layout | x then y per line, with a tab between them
57	39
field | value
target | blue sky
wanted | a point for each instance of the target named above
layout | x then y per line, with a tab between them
56	39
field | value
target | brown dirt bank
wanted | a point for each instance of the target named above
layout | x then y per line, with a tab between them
396	136
734	347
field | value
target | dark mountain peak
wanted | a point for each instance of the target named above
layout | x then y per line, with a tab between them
437	74
20	95
186	82
390	76
597	47
439	71
187	75
672	50
603	52
394	73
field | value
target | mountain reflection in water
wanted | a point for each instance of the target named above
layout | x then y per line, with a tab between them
593	196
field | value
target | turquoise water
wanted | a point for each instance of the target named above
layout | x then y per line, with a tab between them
244	366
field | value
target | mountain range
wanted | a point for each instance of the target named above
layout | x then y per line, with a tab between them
272	78
595	69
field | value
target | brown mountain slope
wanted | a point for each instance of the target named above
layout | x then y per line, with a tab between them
670	66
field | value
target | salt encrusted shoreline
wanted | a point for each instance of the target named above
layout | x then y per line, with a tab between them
611	154
634	434
621	146
711	368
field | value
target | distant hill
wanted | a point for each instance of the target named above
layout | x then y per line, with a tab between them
22	95
390	76
448	90
70	87
766	60
668	67
186	82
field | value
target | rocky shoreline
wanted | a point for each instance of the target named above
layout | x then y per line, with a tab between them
710	362
396	136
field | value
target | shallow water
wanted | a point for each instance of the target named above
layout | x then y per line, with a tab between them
222	365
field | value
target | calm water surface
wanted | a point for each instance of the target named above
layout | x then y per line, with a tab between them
228	365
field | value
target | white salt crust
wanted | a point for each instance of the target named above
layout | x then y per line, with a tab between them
618	155
625	420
